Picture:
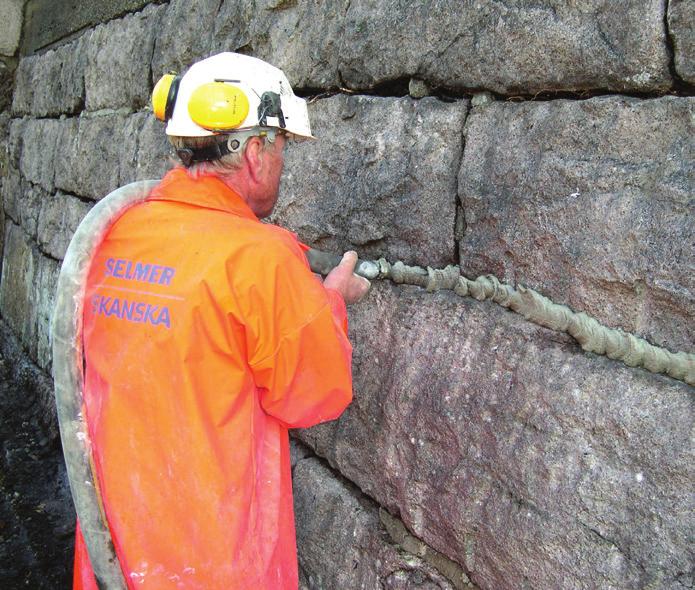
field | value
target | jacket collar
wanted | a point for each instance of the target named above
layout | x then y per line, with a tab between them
207	191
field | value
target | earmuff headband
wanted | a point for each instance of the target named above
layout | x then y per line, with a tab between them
171	98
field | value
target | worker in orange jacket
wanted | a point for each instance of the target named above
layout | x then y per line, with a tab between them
206	337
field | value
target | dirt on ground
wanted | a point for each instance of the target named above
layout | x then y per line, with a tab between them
36	515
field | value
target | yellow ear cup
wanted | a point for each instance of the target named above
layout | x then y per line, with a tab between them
218	106
160	97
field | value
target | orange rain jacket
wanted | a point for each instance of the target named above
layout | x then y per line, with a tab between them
206	337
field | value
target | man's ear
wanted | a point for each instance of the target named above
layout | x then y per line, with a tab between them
253	156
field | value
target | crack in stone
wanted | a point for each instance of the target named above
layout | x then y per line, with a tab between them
460	215
679	85
413	545
32	242
73	35
396	530
606	540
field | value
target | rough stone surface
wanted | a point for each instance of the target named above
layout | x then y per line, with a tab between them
23	202
10	25
381	178
2	231
58	218
146	153
44	149
7	70
42	305
4	170
90	155
90	165
2	236
27	291
19	268
52	83
185	35
342	544
303	37
14	141
505	447
35	507
47	23
12	194
590	203
520	47
118	61
681	23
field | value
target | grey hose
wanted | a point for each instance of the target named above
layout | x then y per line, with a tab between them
68	375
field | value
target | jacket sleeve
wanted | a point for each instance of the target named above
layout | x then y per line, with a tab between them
296	338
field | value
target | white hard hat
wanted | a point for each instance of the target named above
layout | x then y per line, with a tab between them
229	93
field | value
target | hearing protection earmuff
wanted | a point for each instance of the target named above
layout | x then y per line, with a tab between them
164	96
215	106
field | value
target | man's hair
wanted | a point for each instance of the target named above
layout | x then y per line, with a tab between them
224	166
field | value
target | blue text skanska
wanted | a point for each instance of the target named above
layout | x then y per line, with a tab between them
132	311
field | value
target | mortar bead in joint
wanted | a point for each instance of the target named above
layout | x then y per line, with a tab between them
442	278
591	335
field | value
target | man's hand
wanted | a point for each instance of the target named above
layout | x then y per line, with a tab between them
343	279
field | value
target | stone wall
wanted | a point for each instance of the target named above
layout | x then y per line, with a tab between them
549	143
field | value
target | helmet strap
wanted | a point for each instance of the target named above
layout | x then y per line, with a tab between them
190	155
231	144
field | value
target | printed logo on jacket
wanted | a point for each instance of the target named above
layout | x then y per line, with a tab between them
131	307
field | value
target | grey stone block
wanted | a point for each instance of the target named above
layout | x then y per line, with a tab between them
5	121
151	154
520	47
681	23
27	292
44	300
10	25
47	23
59	216
381	178
341	542
506	448
17	286
45	149
185	35
90	166
526	47
14	141
99	153
590	203
28	177
11	194
30	199
119	56
303	38
4	171
2	236
52	83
